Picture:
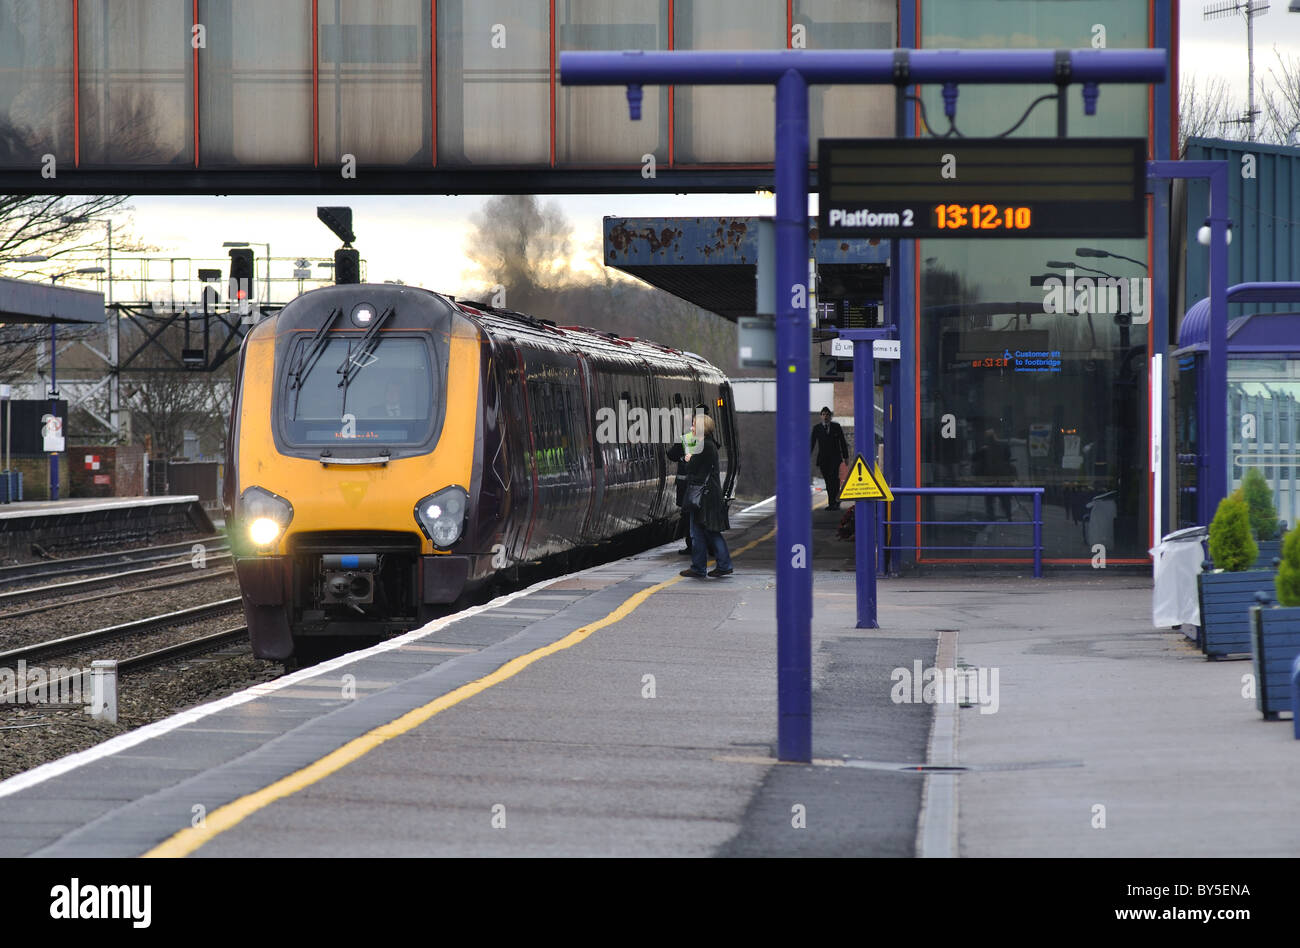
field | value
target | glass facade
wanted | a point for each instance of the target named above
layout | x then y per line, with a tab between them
136	82
493	82
35	78
374	82
726	123
1077	424
848	111
255	83
591	124
1264	428
403	83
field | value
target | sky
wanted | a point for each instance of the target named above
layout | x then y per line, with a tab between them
420	239
1210	48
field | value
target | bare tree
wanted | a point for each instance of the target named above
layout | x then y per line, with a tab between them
66	230
1281	102
164	401
1205	110
526	250
35	223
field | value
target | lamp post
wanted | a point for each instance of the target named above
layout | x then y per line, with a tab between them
1094	252
54	387
114	393
26	258
255	243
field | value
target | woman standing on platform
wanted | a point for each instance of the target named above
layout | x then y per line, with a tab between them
709	512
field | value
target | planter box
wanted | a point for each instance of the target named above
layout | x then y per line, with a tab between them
1275	635
1226	599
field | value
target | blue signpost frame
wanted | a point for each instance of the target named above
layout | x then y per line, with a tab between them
1212	462
791	72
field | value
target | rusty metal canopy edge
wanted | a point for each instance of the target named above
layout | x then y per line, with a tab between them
25	301
709	261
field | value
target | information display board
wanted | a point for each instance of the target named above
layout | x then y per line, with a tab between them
981	187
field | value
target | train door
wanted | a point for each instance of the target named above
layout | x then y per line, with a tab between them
587	405
520	449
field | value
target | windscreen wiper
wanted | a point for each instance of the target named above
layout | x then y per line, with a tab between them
307	357
355	361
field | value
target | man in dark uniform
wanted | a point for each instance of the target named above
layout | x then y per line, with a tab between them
832	450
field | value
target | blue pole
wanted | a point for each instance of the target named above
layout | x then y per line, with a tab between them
794	565
1038	535
882	566
1216	486
864	511
1212	397
54	412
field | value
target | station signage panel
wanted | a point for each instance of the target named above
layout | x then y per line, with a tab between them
981	187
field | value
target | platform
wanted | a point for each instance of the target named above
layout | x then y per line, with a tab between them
627	711
87	524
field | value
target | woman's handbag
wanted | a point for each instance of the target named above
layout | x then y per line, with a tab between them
694	498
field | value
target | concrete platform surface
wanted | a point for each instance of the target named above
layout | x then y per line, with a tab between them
607	714
77	505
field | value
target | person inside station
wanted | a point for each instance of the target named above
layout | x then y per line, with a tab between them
992	462
832	451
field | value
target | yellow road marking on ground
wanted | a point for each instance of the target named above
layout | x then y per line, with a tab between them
223	818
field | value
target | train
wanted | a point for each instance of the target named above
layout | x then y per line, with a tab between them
393	451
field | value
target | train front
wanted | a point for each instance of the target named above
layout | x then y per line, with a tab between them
353	437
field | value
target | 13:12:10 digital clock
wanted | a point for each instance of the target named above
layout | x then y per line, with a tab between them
980	217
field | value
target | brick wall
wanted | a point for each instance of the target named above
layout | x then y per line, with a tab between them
120	471
36	475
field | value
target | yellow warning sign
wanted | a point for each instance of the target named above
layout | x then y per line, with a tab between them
861	483
879	477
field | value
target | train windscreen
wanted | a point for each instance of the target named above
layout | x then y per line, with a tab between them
354	396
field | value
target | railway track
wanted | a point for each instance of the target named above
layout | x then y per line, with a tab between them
108	562
70	644
17	596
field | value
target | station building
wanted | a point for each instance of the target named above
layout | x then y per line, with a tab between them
453	96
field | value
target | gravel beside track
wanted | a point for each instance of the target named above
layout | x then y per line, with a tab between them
143	698
31	735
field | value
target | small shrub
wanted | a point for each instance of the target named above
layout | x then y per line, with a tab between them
1231	546
1259	499
1288	573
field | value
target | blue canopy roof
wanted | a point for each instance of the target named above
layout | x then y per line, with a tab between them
1255	332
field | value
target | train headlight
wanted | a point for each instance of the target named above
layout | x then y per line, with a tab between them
442	516
263	531
266	514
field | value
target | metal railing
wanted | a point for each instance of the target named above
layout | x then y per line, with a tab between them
901	492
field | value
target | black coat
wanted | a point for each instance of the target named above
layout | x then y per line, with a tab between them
678	453
831	446
702	468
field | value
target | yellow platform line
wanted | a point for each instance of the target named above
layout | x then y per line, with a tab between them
232	814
